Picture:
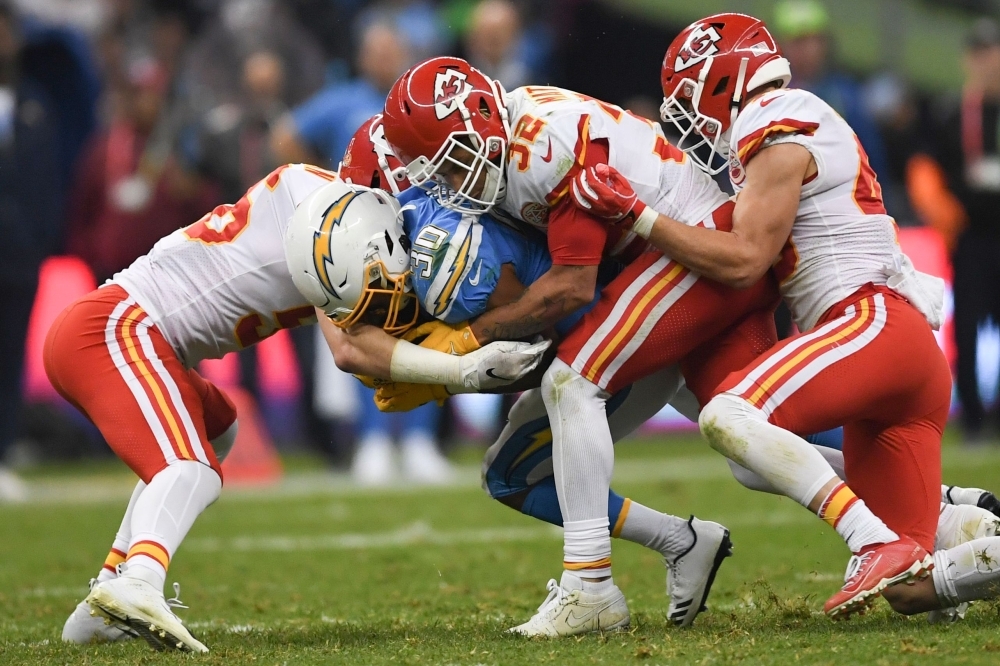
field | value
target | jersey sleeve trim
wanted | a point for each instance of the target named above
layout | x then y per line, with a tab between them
580	158
751	144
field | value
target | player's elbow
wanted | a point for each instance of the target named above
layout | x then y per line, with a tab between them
347	356
579	295
744	274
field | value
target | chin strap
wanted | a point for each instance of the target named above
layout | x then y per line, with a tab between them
734	107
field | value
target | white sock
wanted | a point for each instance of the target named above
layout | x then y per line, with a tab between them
666	534
571	580
968	572
119	548
962	523
956	495
583	458
587	547
164	513
859	527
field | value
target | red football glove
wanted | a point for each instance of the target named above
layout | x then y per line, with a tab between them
605	193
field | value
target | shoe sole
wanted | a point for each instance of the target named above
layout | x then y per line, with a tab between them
158	638
725	550
862	601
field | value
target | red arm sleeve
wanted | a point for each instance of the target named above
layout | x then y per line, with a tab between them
577	238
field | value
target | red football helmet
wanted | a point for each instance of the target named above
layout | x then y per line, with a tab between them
369	161
707	73
444	112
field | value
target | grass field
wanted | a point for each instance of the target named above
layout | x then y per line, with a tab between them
314	572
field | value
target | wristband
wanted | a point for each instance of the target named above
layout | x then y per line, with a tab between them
643	224
419	365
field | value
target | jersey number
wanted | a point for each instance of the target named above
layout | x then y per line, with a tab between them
225	223
525	133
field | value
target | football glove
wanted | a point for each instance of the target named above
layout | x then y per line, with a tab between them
456	340
404	396
603	192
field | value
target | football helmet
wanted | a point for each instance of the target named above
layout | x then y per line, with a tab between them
444	116
348	256
369	161
707	73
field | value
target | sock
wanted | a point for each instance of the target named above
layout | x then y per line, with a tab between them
587	547
845	512
119	548
957	495
164	513
968	572
571	580
963	523
666	534
583	459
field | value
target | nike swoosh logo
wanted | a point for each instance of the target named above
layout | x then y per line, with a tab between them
765	102
490	373
475	281
548	155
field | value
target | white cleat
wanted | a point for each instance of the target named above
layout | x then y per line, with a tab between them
691	574
84	628
424	464
139	606
958	524
569	610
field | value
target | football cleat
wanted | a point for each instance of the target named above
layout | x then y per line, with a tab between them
82	627
691	574
874	569
135	604
569	611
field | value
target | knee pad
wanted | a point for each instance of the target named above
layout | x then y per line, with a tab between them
721	420
561	381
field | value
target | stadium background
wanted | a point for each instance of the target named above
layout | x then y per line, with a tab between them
146	113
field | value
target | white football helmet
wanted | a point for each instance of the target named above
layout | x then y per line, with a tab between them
348	255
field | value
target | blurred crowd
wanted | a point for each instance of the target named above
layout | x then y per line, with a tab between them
122	120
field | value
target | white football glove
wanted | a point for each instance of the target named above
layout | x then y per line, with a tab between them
498	364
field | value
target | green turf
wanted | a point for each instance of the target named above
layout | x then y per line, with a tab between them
313	576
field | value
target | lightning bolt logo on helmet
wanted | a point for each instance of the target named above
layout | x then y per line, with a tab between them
322	257
450	92
700	44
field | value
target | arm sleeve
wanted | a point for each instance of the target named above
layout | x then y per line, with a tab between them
577	238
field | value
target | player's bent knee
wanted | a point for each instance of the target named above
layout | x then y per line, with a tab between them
721	422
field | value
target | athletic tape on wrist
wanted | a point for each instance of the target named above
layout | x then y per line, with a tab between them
643	224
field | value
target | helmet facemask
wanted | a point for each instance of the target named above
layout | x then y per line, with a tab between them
467	154
387	301
697	130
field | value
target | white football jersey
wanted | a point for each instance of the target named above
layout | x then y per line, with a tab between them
551	130
222	283
842	237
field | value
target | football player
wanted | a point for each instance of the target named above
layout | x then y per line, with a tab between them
866	357
517	469
477	148
124	355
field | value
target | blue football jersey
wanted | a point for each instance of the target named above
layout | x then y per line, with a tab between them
456	258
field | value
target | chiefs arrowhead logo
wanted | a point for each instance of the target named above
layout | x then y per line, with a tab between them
450	92
700	44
